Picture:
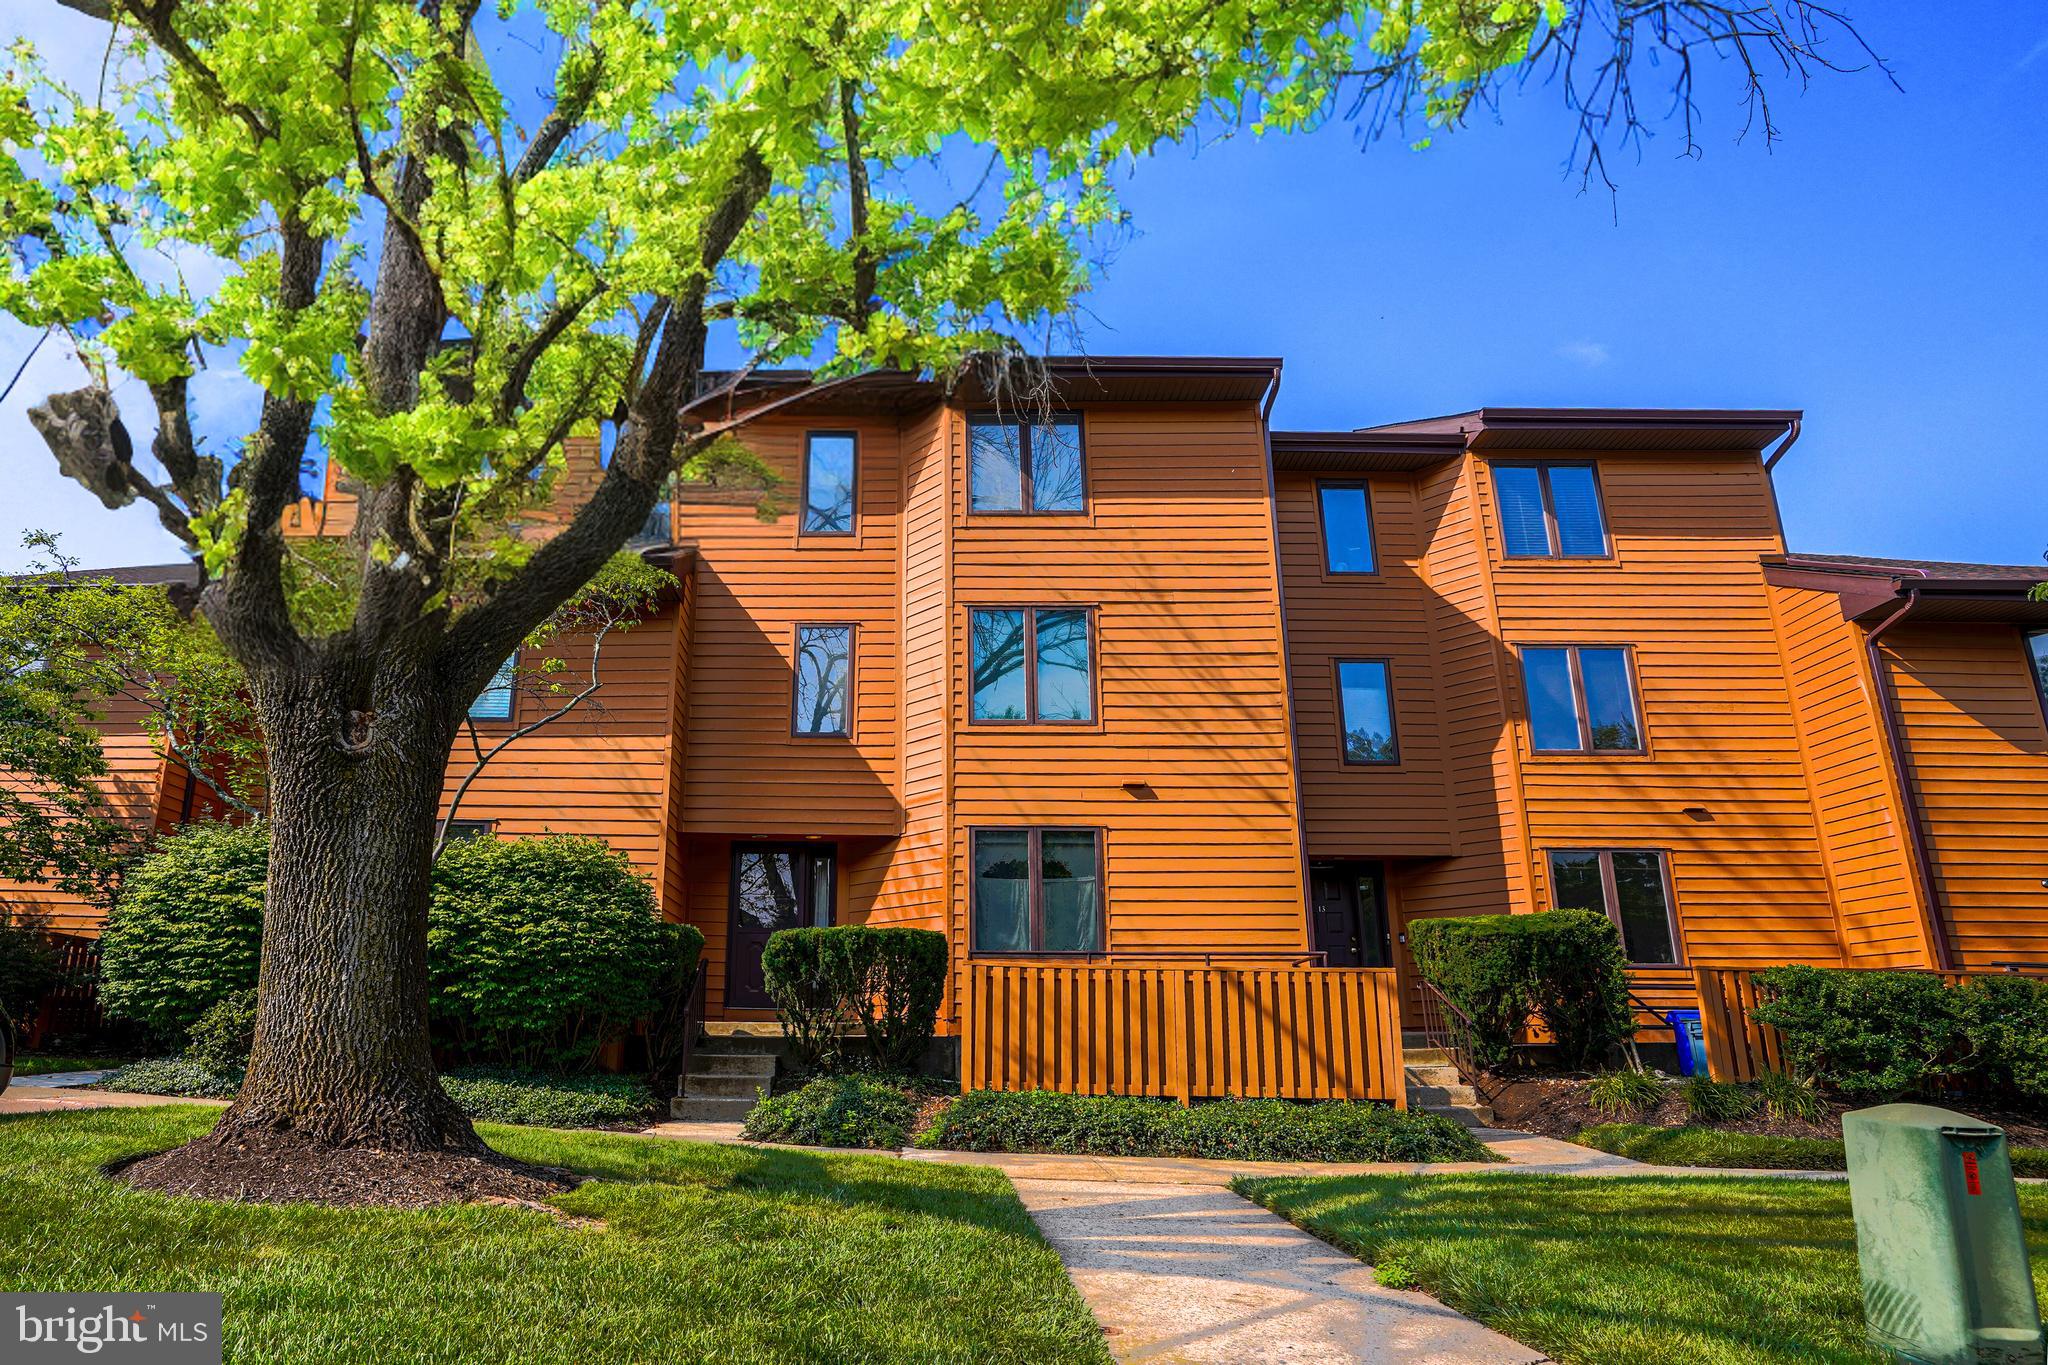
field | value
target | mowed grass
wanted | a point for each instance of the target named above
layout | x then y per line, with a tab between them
1622	1271
52	1066
1711	1147
699	1253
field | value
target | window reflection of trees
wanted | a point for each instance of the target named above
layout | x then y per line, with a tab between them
767	889
997	664
823	672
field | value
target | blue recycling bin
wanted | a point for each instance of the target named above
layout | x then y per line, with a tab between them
1691	1037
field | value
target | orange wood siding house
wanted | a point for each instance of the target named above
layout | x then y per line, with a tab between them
1123	678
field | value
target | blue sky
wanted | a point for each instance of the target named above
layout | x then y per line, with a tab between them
1884	267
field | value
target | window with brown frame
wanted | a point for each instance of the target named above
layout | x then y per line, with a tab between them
1031	665
1365	710
495	701
1016	466
1345	510
1037	889
1581	699
1632	887
1550	511
821	696
831	475
2037	658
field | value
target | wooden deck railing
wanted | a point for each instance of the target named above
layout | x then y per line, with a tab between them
1185	1032
1741	1049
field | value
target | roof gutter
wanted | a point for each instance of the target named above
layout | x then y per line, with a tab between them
1308	934
1916	823
1770	479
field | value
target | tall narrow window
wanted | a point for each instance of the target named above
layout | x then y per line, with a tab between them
1550	511
1032	665
1581	699
831	461
1346	510
1631	886
824	680
1366	699
1026	466
1037	891
2037	655
495	701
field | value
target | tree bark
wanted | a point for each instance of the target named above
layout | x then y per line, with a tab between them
342	1053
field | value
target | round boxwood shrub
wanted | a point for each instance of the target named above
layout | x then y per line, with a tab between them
836	1111
870	987
1564	966
187	930
541	951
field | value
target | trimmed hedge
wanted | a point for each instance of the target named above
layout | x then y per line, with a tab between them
2005	1019
1869	1035
187	929
511	1095
1245	1130
1565	967
223	1036
880	985
541	951
836	1111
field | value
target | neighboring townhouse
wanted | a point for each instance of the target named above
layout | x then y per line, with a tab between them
1121	676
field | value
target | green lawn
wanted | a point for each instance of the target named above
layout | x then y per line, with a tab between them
703	1253
1712	1147
1622	1271
25	1065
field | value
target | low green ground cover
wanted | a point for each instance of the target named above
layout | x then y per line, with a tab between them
678	1252
1245	1130
47	1065
1675	1271
1712	1147
839	1111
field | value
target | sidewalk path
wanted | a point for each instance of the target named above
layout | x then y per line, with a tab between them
35	1099
1192	1273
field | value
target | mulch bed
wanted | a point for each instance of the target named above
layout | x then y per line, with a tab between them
1555	1106
288	1170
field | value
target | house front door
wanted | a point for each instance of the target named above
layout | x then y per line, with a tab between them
774	886
1348	907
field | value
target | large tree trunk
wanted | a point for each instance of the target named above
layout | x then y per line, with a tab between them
342	1054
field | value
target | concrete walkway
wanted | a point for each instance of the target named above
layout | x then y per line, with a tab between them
1189	1273
37	1099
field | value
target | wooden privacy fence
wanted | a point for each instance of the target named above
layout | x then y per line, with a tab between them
1738	1047
1310	1033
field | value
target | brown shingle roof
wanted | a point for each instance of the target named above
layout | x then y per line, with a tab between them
1922	568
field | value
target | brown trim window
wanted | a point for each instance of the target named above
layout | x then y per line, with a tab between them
2037	660
1632	887
495	701
1038	890
1550	511
821	698
1581	699
1017	467
1344	509
1031	665
831	475
1365	710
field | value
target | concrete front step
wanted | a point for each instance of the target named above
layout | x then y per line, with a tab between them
1471	1115
1433	1075
1427	1096
696	1087
1426	1056
756	1064
692	1110
759	1040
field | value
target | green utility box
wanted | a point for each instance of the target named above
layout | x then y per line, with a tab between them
1945	1276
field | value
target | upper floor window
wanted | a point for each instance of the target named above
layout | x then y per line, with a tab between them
1020	466
821	702
1581	699
2037	654
830	462
1366	701
495	701
1033	665
1628	885
1347	528
1037	891
1550	511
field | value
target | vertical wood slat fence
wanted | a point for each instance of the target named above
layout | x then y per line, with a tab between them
1317	1033
1738	1047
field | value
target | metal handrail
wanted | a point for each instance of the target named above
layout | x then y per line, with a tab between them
1447	1027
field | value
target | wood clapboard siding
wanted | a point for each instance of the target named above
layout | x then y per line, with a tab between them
1685	591
1979	755
1175	554
756	582
1396	810
1183	1032
1861	824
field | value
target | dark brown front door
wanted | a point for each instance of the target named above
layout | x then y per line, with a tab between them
1347	904
774	886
